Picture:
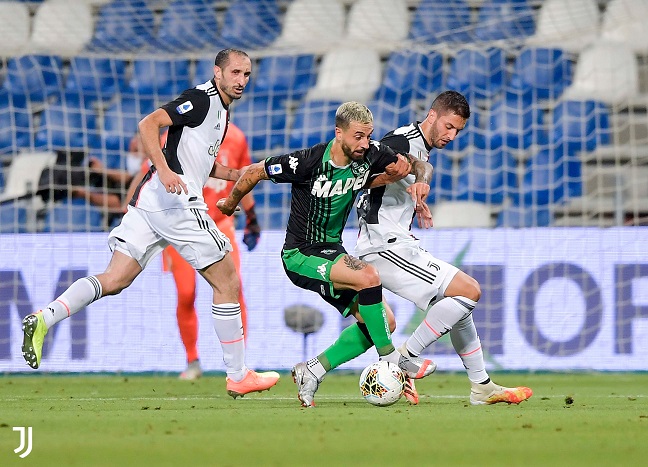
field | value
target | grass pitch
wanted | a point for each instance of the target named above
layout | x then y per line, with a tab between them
572	420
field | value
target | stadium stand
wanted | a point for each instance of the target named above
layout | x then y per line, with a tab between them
15	28
61	28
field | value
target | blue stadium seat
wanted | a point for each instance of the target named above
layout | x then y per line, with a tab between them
422	73
251	24
204	71
188	25
159	79
96	78
505	19
284	76
263	121
524	216
273	205
516	124
580	126
478	73
68	124
435	22
15	123
36	77
314	123
121	119
487	177
76	215
390	111
442	184
123	26
542	72
545	181
13	218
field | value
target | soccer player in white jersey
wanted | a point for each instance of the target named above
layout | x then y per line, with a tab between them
168	209
447	294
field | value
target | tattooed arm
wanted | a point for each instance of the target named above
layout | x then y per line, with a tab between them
253	175
226	173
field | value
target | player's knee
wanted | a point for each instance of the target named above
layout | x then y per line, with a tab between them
473	289
370	278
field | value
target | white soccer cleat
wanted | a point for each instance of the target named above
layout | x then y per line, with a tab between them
491	393
307	384
192	373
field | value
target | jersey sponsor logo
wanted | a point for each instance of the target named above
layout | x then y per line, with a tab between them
326	188
213	149
321	270
184	107
375	143
328	251
275	169
293	163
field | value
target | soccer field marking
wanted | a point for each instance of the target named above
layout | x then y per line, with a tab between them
340	398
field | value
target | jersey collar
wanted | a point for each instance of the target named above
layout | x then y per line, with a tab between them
428	147
213	82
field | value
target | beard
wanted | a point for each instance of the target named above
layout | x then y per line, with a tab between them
348	152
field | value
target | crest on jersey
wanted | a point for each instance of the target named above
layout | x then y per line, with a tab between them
359	168
184	107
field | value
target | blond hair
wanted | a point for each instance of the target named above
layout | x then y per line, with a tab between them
352	112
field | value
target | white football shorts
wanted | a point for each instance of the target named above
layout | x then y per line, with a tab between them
142	235
413	273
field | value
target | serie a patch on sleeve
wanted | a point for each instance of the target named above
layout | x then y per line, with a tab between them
275	169
184	107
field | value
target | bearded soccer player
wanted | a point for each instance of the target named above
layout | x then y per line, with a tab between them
447	294
325	181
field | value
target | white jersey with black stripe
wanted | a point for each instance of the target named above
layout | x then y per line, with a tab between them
385	213
200	121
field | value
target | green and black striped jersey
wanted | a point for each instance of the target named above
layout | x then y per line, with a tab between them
323	194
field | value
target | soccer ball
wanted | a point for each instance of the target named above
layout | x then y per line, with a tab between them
382	383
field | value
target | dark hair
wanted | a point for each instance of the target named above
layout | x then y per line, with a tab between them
222	57
452	101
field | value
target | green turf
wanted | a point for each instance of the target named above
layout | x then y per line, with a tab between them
158	421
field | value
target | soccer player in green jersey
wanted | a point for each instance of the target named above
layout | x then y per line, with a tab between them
325	180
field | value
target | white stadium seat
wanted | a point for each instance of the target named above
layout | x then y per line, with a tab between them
62	28
312	25
605	71
625	21
378	23
14	28
459	214
348	74
567	24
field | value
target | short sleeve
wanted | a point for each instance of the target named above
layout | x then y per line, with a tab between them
189	109
399	143
380	156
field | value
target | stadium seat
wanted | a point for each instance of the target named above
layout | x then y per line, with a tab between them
188	25
347	74
95	78
516	124
580	126
311	24
461	214
35	77
487	177
442	185
524	217
473	135
544	181
390	112
380	24
204	70
273	205
543	72
123	26
625	21
263	121
314	122
62	28
477	73
504	19
23	174
421	72
76	215
569	25
435	22
15	26
120	121
159	79
605	71
16	123
13	218
284	76
251	24
67	124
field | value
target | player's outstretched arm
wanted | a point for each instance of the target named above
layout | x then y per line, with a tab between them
225	173
248	180
420	189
